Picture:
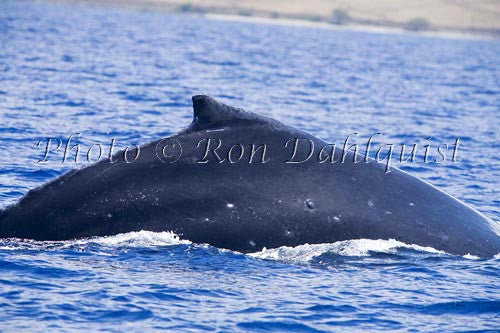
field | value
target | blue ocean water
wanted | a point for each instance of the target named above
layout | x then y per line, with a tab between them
128	75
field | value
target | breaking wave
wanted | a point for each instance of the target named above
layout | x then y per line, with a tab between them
299	254
130	239
349	248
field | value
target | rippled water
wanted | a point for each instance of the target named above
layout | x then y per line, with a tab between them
129	75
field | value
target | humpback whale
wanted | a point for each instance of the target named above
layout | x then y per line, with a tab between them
227	180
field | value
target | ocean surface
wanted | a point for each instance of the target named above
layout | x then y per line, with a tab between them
128	75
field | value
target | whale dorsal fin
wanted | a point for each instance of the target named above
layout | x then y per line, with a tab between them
209	112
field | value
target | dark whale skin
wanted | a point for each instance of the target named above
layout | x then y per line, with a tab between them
247	206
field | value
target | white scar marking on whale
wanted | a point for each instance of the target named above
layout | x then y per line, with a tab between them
215	130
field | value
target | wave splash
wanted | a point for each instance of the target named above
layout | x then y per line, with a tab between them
350	248
141	238
299	254
130	239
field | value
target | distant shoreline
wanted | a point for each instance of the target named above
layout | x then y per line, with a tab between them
233	13
351	27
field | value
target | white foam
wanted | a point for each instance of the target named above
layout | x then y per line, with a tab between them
471	256
356	247
130	239
301	253
136	239
8	248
